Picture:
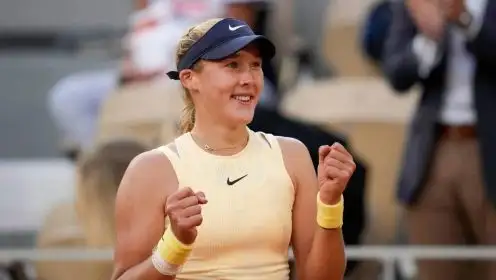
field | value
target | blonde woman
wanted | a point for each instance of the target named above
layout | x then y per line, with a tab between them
89	222
231	200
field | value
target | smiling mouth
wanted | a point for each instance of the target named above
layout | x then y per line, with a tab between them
244	99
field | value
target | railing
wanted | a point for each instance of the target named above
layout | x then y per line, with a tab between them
388	255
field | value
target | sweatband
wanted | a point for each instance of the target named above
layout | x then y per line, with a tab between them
172	250
330	216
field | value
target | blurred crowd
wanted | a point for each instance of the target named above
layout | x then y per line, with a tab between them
439	51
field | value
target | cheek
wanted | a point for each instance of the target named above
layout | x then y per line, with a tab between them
224	85
260	81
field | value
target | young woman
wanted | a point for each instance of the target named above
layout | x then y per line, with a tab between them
231	201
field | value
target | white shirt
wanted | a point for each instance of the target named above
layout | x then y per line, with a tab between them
457	107
75	101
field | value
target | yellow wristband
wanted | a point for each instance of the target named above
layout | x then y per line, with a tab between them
172	250
330	216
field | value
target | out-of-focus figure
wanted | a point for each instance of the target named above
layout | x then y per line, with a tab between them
447	182
88	222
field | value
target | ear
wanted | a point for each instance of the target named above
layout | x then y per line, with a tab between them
189	79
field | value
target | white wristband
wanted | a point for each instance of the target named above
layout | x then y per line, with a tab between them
164	267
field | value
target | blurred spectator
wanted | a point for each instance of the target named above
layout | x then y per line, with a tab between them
89	221
74	103
447	180
375	30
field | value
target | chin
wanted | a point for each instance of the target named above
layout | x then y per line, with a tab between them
240	118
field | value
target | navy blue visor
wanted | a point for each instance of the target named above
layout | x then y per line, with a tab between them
225	38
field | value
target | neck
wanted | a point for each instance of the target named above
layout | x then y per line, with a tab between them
219	136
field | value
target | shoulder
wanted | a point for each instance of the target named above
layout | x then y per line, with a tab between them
149	162
291	147
150	172
296	158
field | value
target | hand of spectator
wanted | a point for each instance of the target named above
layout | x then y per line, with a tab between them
453	9
428	17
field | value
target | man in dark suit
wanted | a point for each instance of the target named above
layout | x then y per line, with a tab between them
448	176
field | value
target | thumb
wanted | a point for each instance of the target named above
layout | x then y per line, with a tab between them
201	197
323	152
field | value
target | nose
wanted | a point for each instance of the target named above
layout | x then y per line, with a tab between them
247	77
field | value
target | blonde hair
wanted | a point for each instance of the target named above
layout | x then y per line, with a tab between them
100	174
186	42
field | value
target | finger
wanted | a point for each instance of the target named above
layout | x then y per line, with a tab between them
192	221
182	204
347	168
344	158
201	197
187	202
337	174
338	146
329	161
323	152
181	193
191	211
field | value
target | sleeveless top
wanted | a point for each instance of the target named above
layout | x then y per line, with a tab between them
247	222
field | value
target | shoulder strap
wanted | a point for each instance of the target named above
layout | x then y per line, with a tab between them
272	143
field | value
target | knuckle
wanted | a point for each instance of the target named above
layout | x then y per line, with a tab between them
169	208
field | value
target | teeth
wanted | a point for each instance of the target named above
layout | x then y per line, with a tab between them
244	98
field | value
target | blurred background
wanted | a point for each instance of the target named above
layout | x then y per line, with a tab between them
83	92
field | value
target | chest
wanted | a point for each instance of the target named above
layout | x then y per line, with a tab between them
249	205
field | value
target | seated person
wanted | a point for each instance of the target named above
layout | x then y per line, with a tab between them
89	220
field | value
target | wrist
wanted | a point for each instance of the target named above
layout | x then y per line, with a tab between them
329	198
170	254
330	216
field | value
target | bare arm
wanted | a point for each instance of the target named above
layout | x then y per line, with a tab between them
319	252
140	215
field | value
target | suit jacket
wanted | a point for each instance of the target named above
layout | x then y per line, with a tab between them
402	70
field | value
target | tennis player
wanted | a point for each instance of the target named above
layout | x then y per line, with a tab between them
222	201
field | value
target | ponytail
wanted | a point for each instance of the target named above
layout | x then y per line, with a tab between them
188	116
187	41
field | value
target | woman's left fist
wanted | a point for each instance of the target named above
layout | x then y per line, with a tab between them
336	166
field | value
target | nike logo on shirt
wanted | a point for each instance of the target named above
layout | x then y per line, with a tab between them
230	183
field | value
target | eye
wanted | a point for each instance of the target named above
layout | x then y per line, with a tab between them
232	65
256	64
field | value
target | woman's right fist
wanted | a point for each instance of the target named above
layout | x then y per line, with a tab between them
183	208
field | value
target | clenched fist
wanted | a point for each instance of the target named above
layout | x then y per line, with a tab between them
336	166
184	211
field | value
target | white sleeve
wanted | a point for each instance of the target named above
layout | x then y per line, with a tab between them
476	8
426	51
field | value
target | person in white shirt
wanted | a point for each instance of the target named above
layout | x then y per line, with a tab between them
447	180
